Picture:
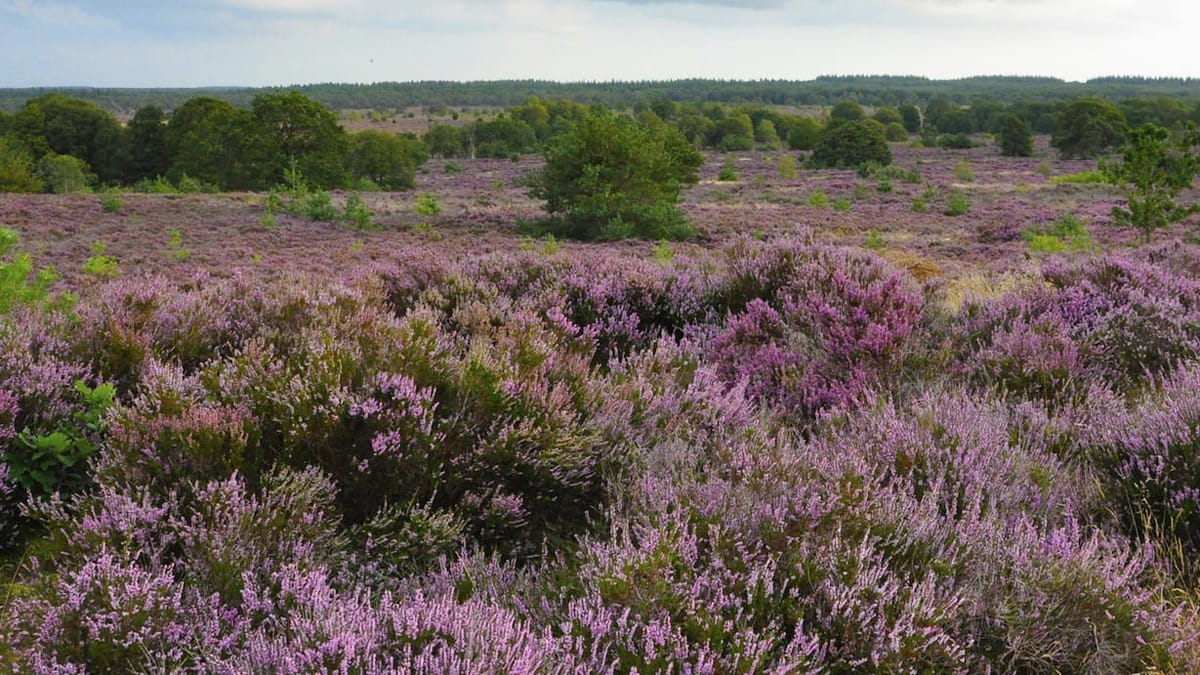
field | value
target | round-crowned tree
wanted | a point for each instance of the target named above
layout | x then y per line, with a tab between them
1016	138
850	145
608	177
1088	127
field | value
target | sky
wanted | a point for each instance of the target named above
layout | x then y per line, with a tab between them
192	43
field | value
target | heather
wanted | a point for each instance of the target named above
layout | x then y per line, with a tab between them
452	449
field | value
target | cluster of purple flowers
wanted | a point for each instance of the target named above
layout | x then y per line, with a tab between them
778	457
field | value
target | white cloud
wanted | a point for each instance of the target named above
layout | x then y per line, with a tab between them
56	14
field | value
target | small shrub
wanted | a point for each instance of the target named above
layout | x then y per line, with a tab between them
842	205
357	213
663	253
1081	178
453	168
100	265
426	204
175	246
955	142
728	172
1044	243
787	168
956	204
884	186
19	284
963	171
818	198
919	205
110	202
155	186
319	206
1065	233
874	240
45	463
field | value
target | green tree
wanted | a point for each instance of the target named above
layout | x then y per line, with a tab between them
887	115
388	160
443	140
936	112
147	133
210	140
911	117
609	178
766	134
1088	127
851	145
292	127
503	137
735	132
62	125
804	133
536	114
1153	169
1016	138
16	168
64	173
895	132
845	111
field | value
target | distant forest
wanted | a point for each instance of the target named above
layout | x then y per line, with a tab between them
825	90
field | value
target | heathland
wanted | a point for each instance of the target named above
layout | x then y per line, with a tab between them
928	412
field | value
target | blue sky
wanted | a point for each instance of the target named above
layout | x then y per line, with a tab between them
140	43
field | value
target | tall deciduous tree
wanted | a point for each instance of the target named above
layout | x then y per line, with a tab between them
147	133
62	125
1088	127
388	160
609	177
1154	168
294	129
210	140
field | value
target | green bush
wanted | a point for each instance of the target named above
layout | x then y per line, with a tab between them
874	240
956	204
426	204
1016	138
895	132
100	265
64	173
319	206
1088	127
110	202
787	168
19	284
43	464
818	198
955	142
17	173
728	172
356	212
850	145
609	177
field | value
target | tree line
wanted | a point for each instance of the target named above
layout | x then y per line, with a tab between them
823	91
59	143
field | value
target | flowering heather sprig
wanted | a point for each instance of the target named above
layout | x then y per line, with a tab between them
1150	457
815	327
37	369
